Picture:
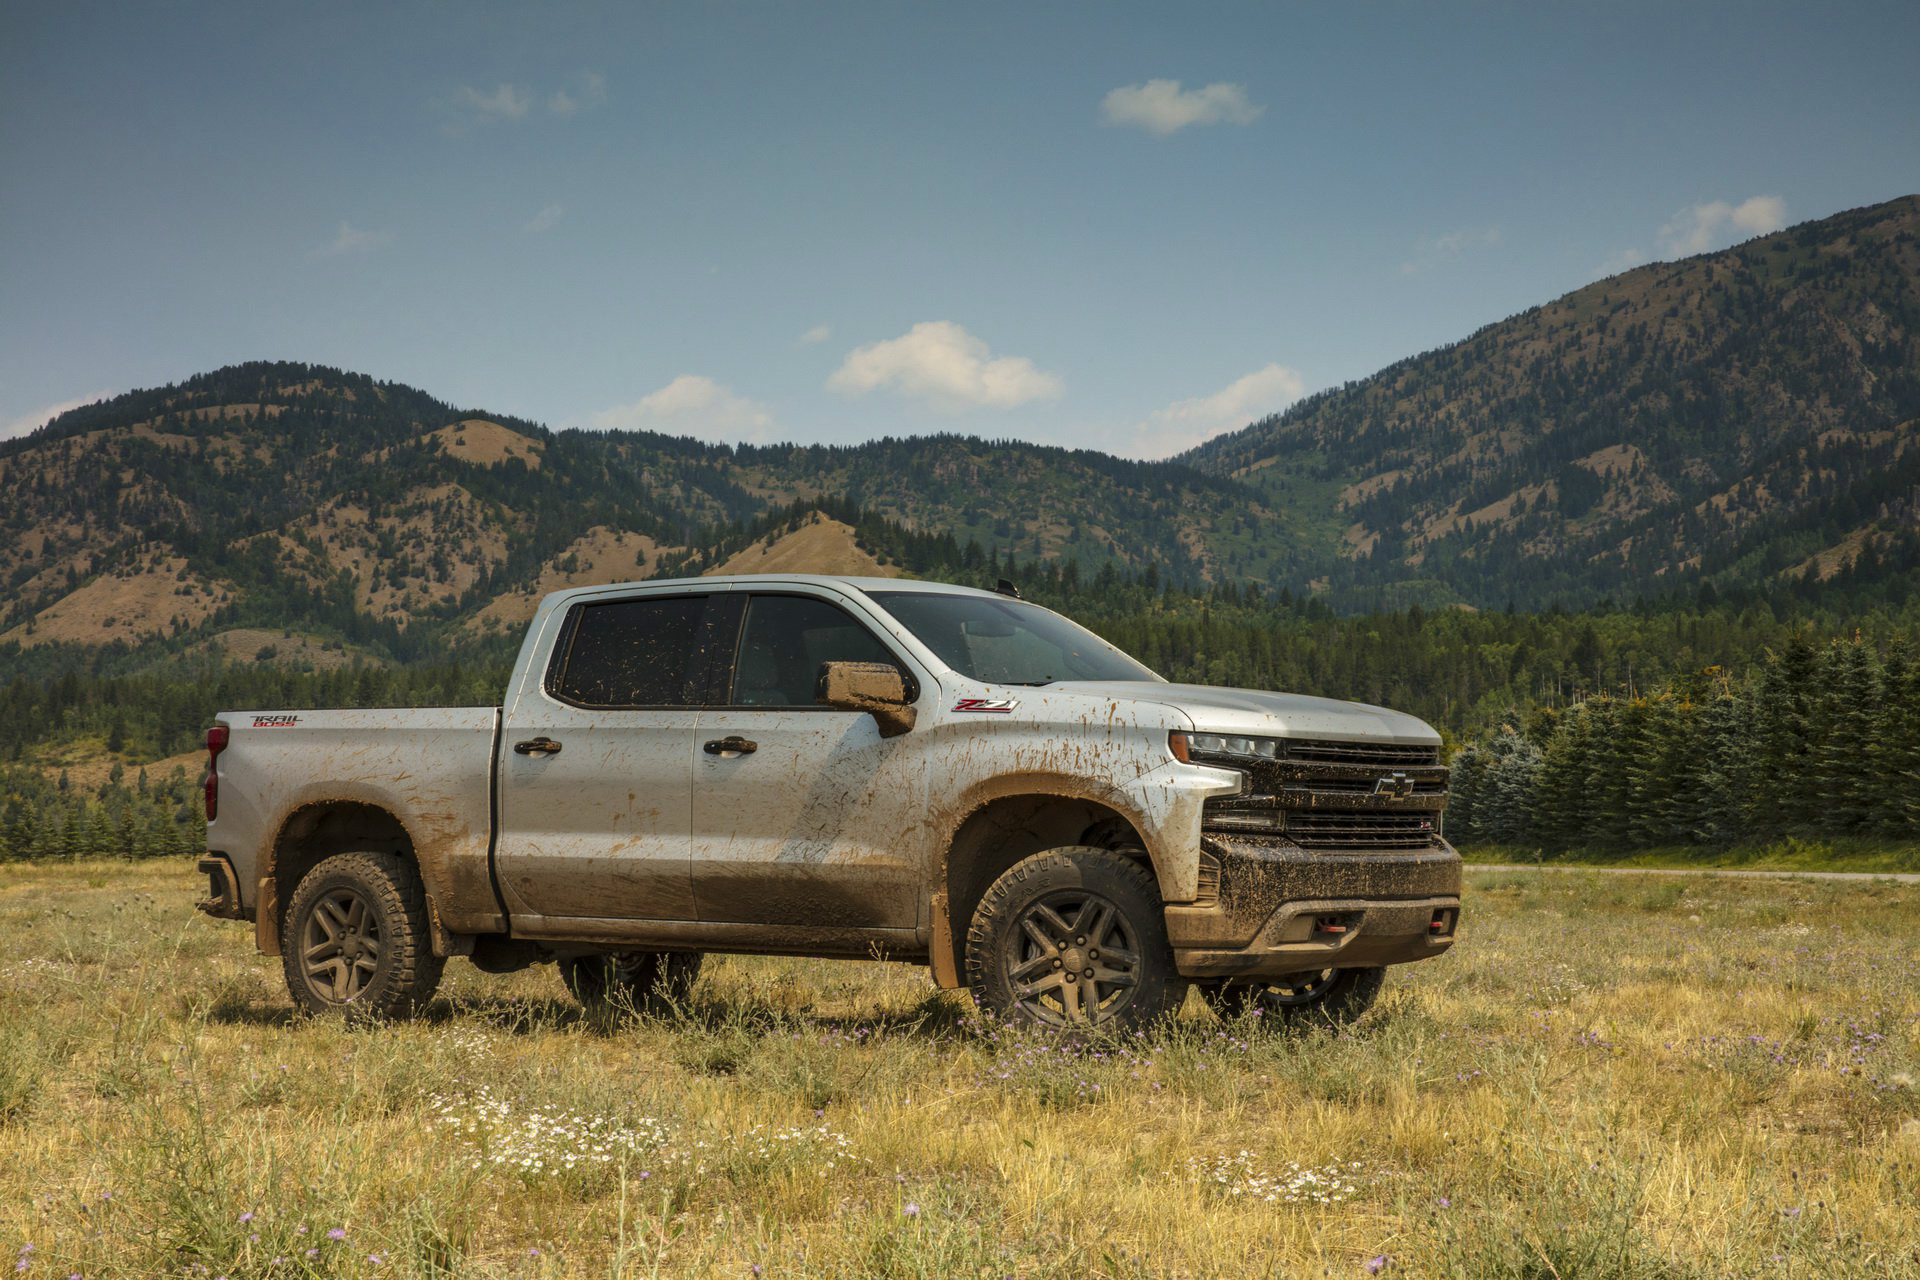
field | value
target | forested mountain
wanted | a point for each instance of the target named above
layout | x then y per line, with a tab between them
1743	421
1723	419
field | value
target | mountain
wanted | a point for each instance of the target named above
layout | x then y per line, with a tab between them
1723	418
1734	420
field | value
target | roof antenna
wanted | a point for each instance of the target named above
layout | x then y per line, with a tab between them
1006	588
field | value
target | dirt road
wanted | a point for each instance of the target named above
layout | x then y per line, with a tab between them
1729	873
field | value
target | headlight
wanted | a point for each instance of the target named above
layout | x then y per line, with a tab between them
1185	746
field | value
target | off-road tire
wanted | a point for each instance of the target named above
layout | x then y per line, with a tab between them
348	906
644	981
1333	998
1055	899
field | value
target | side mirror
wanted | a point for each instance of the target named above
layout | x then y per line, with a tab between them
877	687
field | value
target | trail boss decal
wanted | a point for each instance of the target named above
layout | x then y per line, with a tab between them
1001	705
275	722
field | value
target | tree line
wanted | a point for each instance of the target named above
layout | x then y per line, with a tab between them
1814	742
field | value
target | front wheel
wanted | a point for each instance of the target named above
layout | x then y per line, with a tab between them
355	939
1325	997
1074	937
640	980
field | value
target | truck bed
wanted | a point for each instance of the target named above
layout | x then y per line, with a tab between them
429	767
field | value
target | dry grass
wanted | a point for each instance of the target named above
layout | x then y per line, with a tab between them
1610	1077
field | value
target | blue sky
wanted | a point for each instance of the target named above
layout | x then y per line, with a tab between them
1113	226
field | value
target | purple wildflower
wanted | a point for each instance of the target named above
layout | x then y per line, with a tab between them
338	1233
1378	1263
247	1216
912	1210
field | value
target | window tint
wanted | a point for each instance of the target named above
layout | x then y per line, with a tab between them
1007	641
785	641
632	653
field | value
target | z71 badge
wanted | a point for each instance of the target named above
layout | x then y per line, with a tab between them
1002	705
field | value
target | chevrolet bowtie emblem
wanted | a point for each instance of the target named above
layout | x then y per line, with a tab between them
1397	785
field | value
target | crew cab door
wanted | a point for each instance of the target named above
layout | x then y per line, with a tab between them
803	815
595	783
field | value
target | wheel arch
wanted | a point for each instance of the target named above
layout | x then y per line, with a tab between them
314	832
998	832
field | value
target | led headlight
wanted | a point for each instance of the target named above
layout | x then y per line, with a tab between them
1187	745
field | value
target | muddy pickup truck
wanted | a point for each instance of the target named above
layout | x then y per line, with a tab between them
828	766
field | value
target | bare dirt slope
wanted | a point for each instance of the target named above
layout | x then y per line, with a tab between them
133	604
821	545
599	556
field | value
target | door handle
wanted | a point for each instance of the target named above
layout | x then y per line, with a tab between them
735	745
536	747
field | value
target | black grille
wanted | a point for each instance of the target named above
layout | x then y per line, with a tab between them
1338	795
1361	830
1309	749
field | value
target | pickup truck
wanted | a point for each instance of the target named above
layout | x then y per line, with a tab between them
833	766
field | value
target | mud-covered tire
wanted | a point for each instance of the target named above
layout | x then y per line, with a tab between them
1069	922
1328	998
355	939
646	981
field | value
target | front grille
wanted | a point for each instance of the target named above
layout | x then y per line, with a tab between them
1337	795
1361	830
1388	753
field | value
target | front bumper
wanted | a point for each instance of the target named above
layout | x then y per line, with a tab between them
1281	908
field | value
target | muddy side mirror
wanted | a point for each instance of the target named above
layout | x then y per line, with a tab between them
875	687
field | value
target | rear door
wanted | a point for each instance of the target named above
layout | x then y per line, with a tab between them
596	764
803	815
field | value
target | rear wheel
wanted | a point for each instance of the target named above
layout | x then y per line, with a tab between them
355	939
642	980
1074	937
1328	997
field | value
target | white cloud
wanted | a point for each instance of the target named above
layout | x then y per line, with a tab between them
1162	107
1717	224
590	90
1624	260
546	219
818	334
941	363
30	422
1454	244
349	239
505	102
1185	423
691	405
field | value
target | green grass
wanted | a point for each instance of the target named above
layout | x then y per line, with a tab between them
1609	1077
1785	855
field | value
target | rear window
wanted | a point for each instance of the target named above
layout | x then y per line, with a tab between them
630	653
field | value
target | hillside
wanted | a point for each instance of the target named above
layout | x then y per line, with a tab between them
1736	420
1725	418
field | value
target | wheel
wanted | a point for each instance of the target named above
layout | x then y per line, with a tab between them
1328	997
355	939
635	979
1074	937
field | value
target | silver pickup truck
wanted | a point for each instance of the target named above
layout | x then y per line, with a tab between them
849	767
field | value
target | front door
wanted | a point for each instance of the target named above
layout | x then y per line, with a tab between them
803	815
596	765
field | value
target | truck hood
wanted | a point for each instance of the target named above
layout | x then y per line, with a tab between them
1274	715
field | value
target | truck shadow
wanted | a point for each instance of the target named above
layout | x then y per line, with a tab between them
933	1018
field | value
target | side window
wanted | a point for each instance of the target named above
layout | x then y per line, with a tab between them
630	653
785	640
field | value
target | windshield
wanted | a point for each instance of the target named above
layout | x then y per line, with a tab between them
1007	641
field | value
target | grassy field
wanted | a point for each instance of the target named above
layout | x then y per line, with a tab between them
1609	1077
